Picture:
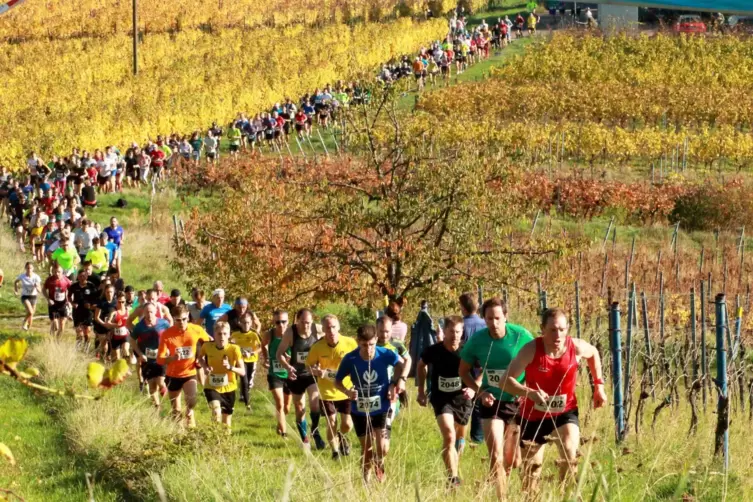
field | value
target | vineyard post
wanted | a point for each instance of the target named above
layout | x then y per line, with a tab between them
535	221
606	236
700	266
738	328
648	360
614	329
604	273
135	38
577	309
722	430
653	175
480	292
704	365
693	345
629	347
319	132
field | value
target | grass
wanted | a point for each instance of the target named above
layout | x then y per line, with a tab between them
45	471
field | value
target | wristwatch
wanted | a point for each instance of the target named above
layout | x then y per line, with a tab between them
598	381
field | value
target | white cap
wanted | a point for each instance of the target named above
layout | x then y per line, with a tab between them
218	292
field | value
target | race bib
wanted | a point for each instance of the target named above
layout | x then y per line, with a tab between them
329	374
121	332
300	357
554	404
59	296
247	352
184	352
449	384
369	404
494	377
276	366
151	353
218	380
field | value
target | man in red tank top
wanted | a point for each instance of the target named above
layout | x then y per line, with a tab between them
550	408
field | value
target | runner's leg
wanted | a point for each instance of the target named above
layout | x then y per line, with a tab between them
568	436
533	458
280	412
189	390
494	433
446	424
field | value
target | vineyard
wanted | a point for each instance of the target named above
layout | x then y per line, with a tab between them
597	174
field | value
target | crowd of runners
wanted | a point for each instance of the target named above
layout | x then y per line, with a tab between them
516	392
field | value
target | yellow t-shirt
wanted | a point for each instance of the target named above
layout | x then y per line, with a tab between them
329	359
220	379
250	345
100	258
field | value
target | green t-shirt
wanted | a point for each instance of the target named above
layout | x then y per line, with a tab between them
494	356
275	367
66	259
100	258
234	136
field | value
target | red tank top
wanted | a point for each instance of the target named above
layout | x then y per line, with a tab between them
555	376
120	319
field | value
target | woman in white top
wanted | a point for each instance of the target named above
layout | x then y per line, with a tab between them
399	328
31	286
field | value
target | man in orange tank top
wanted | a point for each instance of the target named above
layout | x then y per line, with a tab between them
550	363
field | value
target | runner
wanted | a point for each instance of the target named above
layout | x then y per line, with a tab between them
31	285
119	333
247	338
67	257
472	323
492	349
55	290
163	312
368	368
550	363
277	378
232	316
145	338
299	338
324	359
222	361
177	352
213	311
385	330
83	295
450	399
102	311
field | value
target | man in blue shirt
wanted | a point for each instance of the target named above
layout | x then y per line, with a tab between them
211	313
115	232
472	322
371	395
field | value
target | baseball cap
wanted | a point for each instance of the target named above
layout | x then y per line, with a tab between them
218	292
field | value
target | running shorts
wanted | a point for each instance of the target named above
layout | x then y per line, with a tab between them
299	385
82	317
458	407
175	384
226	399
32	299
57	311
537	430
275	382
499	410
116	343
151	369
365	423
334	407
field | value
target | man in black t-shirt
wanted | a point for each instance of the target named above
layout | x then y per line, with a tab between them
448	395
83	296
88	194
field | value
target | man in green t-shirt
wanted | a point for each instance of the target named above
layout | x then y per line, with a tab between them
67	257
98	256
493	349
234	137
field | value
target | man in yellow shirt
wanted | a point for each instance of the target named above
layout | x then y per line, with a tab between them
98	256
221	361
324	359
250	344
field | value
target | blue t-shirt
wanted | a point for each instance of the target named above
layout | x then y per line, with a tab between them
212	314
471	324
111	248
115	234
370	378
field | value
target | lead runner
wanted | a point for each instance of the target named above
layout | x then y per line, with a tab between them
550	408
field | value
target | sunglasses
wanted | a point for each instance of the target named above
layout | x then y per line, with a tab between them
282	321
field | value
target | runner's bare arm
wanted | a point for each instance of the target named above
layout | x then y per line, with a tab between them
266	339
285	343
421	372
464	370
134	315
401	375
135	347
588	352
509	382
167	315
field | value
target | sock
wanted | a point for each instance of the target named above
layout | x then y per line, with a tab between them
303	429
315	415
459	444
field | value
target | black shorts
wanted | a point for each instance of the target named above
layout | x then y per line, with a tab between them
32	299
57	311
175	384
116	343
299	127
234	148
334	407
537	430
211	155
364	423
459	407
275	382
151	369
299	385
102	180
500	410
83	317
226	399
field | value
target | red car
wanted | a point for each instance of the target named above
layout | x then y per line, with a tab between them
690	24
